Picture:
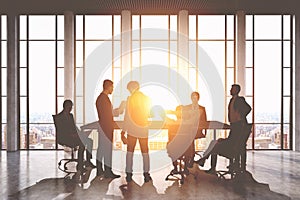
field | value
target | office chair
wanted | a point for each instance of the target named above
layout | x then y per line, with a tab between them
237	156
74	148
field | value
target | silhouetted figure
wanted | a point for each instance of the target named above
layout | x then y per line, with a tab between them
71	135
238	109
184	130
136	126
106	115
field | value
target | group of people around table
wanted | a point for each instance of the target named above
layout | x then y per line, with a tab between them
137	111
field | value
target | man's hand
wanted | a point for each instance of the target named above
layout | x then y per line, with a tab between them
123	137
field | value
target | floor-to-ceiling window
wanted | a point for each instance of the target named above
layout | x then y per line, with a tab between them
3	69
269	68
41	78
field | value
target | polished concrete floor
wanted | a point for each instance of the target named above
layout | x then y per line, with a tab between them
34	175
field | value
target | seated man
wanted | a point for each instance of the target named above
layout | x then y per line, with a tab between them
238	109
70	135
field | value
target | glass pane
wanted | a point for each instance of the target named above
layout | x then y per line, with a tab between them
117	54
249	81
4	27
286	109
286	82
23	81
23	27
60	54
192	78
23	109
41	27
211	27
60	81
117	27
79	81
60	27
286	27
230	80
42	81
230	54
192	27
41	136
60	102
79	54
4	53
267	26
157	22
79	27
157	50
249	54
286	54
267	88
230	27
192	54
4	81
23	54
173	54
4	133
98	27
249	27
23	134
135	23
117	76
267	136
135	54
4	109
173	27
212	52
79	110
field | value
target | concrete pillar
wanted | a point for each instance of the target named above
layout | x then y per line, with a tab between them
183	55
13	88
69	55
126	47
241	51
297	85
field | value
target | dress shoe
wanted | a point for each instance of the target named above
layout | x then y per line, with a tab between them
89	164
128	177
110	174
147	177
201	162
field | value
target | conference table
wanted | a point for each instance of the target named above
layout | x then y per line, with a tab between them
157	125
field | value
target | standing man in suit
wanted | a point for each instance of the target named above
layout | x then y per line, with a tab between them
71	136
106	115
136	126
238	109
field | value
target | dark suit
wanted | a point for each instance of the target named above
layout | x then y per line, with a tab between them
68	134
105	139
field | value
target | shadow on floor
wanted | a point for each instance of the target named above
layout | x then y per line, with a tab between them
204	186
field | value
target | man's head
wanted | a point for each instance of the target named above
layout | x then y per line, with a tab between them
108	86
195	97
67	105
235	89
133	86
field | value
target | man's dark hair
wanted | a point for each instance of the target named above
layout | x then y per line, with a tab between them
67	102
238	87
196	93
107	83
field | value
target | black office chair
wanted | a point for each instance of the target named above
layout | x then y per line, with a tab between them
74	148
237	156
180	171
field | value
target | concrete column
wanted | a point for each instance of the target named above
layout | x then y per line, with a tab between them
241	51
126	47
183	54
13	89
297	85
69	55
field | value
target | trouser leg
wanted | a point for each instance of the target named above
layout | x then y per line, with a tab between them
129	156
145	152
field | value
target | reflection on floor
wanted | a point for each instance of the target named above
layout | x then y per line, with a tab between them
34	175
